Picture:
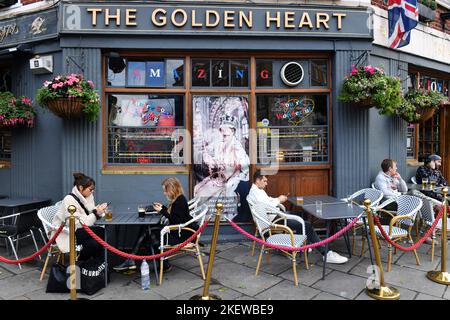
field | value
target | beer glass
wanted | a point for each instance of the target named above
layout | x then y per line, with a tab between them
319	207
141	211
424	183
109	213
299	200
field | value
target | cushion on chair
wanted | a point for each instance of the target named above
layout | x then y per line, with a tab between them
396	232
285	240
7	231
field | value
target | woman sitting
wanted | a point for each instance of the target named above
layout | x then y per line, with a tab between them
87	213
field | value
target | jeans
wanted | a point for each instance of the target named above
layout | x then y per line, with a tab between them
91	248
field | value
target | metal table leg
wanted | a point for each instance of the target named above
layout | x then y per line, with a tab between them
346	237
326	250
153	252
368	240
106	257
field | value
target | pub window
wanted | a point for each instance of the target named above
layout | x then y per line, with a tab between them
411	142
319	73
429	142
5	145
145	129
264	73
292	128
223	73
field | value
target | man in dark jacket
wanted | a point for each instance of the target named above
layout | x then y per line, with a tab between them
431	171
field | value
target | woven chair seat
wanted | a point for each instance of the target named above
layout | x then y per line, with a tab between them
439	224
285	240
396	232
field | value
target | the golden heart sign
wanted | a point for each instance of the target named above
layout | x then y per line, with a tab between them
295	111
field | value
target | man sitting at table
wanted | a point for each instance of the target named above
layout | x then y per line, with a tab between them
430	170
389	180
258	195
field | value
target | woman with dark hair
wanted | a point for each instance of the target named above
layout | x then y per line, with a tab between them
87	212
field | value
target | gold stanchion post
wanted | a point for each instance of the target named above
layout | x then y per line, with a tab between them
442	277
383	292
212	253
73	288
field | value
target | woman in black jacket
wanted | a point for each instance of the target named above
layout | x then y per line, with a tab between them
178	210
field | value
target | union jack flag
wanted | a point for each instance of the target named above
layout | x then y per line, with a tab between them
403	16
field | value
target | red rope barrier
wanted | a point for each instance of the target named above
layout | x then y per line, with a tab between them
34	255
418	243
136	257
313	245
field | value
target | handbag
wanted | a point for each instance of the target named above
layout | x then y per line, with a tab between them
57	280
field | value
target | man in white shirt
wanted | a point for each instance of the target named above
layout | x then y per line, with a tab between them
258	195
389	180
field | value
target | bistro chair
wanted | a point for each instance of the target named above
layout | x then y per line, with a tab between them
193	203
46	216
357	198
413	180
278	234
18	226
373	185
401	223
199	216
427	217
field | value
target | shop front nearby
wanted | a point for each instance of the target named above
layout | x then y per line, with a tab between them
211	93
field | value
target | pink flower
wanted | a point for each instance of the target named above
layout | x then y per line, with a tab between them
354	71
55	86
46	83
91	84
26	100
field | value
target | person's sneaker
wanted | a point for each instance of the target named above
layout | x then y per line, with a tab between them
333	257
126	265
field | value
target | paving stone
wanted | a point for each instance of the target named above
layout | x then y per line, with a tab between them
20	284
286	290
447	293
305	277
341	284
327	296
405	294
345	267
5	273
242	278
409	260
176	282
423	296
224	293
20	298
188	262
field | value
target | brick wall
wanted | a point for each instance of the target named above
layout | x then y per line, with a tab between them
436	24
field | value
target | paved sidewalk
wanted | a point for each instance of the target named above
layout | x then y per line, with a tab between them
233	277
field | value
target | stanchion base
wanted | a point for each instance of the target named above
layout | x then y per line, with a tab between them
210	297
439	277
78	299
383	293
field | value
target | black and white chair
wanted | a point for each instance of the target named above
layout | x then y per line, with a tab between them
401	222
199	216
427	217
413	180
278	234
357	198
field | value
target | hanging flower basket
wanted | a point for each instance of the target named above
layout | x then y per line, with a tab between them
368	86
15	112
69	97
67	108
419	105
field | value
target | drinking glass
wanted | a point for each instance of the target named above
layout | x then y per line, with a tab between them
319	207
141	210
432	183
424	183
109	213
300	200
349	200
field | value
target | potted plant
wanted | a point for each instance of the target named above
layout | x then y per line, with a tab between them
70	96
15	112
368	86
427	9
420	105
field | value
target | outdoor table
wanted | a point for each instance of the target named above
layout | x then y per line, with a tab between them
123	216
332	209
9	206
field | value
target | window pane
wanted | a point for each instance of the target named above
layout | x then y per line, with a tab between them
220	73
175	73
145	129
5	145
292	128
411	142
116	72
239	73
319	73
264	73
200	73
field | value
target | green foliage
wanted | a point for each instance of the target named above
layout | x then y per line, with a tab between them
15	111
369	83
71	86
433	5
416	100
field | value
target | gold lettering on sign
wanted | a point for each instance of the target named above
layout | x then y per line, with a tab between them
248	19
112	16
322	18
130	17
228	19
94	12
288	19
8	31
306	19
208	22
339	19
183	15
270	19
159	20
194	23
